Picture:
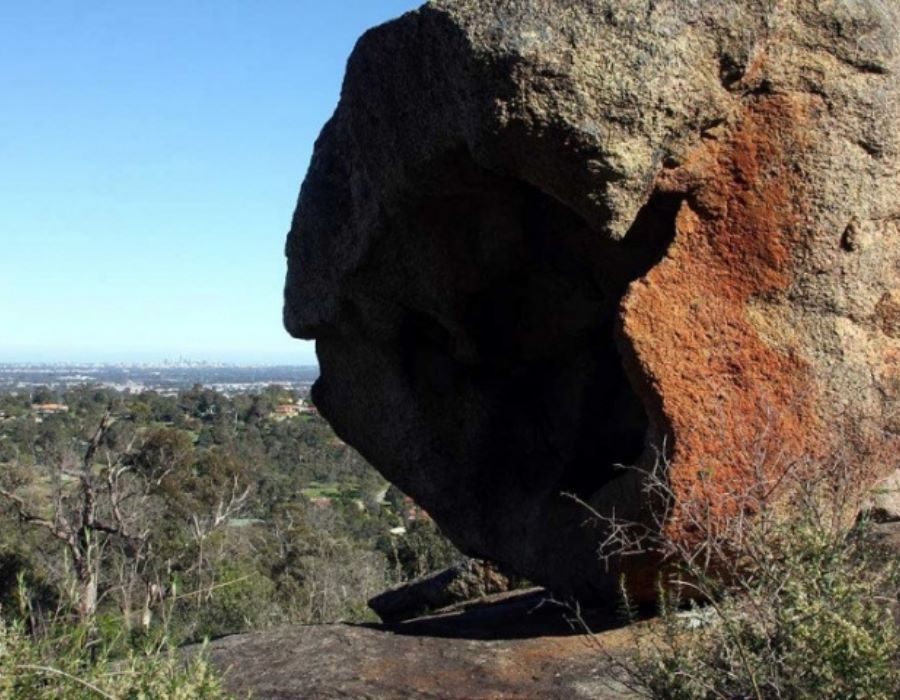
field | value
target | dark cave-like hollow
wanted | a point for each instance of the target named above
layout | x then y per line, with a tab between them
511	302
614	423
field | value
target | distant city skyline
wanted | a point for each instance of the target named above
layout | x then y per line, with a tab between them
154	362
152	153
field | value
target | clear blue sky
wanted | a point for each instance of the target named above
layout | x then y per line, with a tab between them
150	158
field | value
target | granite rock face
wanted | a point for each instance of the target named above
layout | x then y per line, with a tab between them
540	239
464	581
498	650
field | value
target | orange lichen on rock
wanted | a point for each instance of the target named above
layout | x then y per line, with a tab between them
733	409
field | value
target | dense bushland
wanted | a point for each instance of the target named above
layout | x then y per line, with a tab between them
146	521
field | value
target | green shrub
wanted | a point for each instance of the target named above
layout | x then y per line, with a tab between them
793	602
816	621
64	666
241	602
422	550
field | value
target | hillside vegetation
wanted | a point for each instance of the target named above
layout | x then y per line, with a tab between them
139	522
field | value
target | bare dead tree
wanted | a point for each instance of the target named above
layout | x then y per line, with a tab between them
76	521
229	505
106	523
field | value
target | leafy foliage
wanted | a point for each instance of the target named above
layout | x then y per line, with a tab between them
794	601
63	666
817	622
199	515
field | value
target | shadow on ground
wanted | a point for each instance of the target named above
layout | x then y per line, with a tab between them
524	614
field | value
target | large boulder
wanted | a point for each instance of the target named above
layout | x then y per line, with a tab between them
539	240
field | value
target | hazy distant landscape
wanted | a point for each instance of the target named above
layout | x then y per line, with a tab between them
148	505
164	377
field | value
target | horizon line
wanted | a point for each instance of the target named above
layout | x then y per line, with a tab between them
154	363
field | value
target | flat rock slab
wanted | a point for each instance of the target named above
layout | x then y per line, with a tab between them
512	645
491	651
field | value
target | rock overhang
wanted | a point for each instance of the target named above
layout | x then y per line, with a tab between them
541	239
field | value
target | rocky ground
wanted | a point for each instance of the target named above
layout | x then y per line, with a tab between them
510	646
518	645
